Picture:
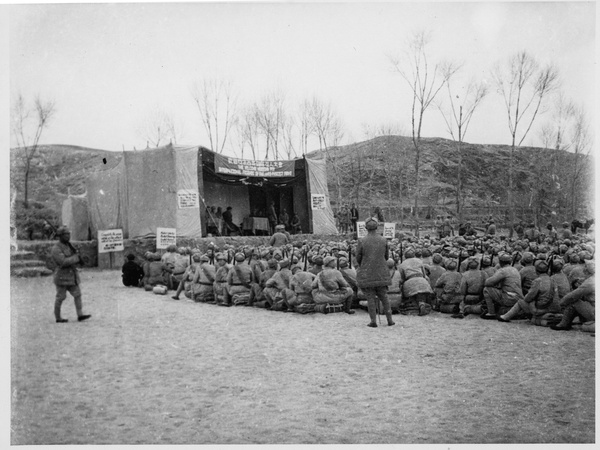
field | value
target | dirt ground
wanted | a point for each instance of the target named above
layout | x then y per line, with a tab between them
146	369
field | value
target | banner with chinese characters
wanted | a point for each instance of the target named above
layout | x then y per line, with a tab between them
110	241
253	168
165	237
187	198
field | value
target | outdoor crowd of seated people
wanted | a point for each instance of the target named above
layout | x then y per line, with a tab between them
548	280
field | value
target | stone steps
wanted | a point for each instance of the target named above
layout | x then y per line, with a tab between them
25	264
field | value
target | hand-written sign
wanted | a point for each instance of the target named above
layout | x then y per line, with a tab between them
165	237
253	168
110	241
361	229
389	230
318	201
187	198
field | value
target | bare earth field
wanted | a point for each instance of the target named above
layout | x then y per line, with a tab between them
146	369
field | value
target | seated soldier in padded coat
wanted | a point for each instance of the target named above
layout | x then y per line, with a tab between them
301	285
239	281
417	294
541	299
203	281
276	285
330	287
220	285
471	289
449	282
257	295
157	272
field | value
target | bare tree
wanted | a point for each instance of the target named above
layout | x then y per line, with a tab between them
523	86
248	132
28	124
271	120
216	104
425	82
462	108
160	127
581	144
328	128
307	126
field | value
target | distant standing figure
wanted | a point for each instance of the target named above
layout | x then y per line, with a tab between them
272	215
353	217
295	224
66	277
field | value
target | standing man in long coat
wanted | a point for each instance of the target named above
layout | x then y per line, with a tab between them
372	274
66	277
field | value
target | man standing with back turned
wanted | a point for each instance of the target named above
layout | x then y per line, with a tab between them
372	275
66	277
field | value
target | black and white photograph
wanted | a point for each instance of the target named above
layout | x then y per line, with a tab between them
300	223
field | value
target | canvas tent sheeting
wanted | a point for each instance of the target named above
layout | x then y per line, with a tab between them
147	190
75	216
172	186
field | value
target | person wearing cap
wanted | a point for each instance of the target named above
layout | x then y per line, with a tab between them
572	260
301	285
503	289
203	281
349	274
131	272
565	232
581	301
540	300
471	289
417	294
181	263
295	226
486	265
551	234
66	277
449	283
578	274
220	284
188	276
157	272
239	281
560	279
531	234
257	296
353	217
279	238
491	228
316	264
447	228
372	274
272	216
528	272
330	288
276	287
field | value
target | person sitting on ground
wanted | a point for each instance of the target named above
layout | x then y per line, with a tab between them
566	232
330	288
531	234
301	285
487	267
349	274
450	281
279	238
158	272
417	294
239	281
203	281
132	273
528	273
295	227
220	284
503	289
257	295
434	271
317	265
581	301
394	290
491	229
179	267
471	289
560	279
577	275
540	300
276	286
186	280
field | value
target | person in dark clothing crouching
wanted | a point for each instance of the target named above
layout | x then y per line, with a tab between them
132	272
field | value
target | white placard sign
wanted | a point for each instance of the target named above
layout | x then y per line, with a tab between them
361	229
165	237
318	201
110	241
187	198
389	230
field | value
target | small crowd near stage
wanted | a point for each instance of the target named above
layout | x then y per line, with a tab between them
546	278
220	223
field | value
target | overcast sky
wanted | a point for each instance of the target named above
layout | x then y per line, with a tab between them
107	65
